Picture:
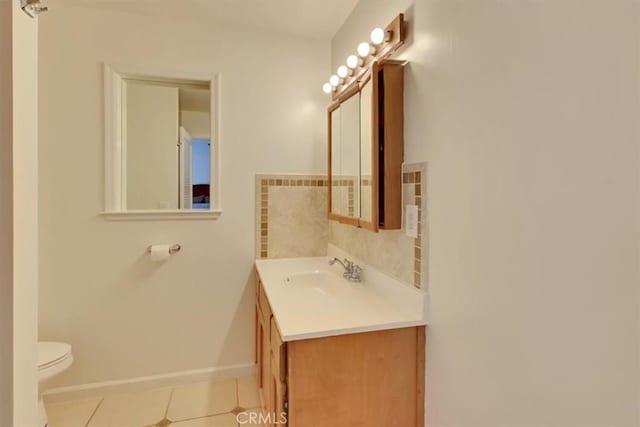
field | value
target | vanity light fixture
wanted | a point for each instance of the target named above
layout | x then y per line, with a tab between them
364	49
378	36
343	71
353	62
384	41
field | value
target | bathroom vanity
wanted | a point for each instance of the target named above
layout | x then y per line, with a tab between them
330	352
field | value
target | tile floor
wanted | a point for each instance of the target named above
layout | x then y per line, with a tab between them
205	404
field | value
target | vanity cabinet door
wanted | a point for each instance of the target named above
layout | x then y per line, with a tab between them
278	408
258	337
278	376
256	312
263	341
265	365
278	348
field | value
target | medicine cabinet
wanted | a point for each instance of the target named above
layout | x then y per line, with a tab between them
366	149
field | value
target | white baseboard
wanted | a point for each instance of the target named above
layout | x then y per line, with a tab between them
101	389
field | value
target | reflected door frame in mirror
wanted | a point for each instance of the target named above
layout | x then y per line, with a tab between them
341	186
115	162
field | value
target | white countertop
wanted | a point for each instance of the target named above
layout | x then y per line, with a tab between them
302	312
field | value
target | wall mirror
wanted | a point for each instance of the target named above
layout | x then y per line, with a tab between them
162	145
366	176
344	122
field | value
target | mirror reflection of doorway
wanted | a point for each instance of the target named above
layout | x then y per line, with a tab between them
201	167
158	114
195	171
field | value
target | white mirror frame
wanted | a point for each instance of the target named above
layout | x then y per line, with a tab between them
115	150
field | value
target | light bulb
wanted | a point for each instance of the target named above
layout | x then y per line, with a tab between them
334	80
353	61
364	49
343	71
377	36
327	88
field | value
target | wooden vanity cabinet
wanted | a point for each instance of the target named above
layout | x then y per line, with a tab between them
264	370
270	361
372	379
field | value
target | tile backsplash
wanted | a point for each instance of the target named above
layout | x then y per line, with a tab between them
392	251
291	221
291	216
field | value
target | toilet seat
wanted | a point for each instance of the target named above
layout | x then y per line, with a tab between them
52	354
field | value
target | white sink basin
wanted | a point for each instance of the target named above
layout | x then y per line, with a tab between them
318	282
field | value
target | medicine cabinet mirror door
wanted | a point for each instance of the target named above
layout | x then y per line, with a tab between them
367	148
344	160
368	175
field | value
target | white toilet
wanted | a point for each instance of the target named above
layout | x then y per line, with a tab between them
53	359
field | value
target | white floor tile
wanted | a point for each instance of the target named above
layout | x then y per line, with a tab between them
203	399
227	420
132	409
248	396
71	414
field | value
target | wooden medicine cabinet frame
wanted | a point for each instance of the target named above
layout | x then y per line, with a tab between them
386	77
387	147
345	219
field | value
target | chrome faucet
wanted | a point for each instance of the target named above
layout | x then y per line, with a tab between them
351	270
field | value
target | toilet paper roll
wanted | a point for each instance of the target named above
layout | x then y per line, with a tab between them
160	252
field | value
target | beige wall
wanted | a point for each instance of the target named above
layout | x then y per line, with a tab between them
25	219
197	123
6	217
526	113
152	152
124	316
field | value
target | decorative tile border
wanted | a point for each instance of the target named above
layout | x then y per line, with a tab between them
350	184
351	197
263	183
415	174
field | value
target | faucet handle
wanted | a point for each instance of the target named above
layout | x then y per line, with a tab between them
356	270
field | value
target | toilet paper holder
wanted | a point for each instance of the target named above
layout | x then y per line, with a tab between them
172	250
